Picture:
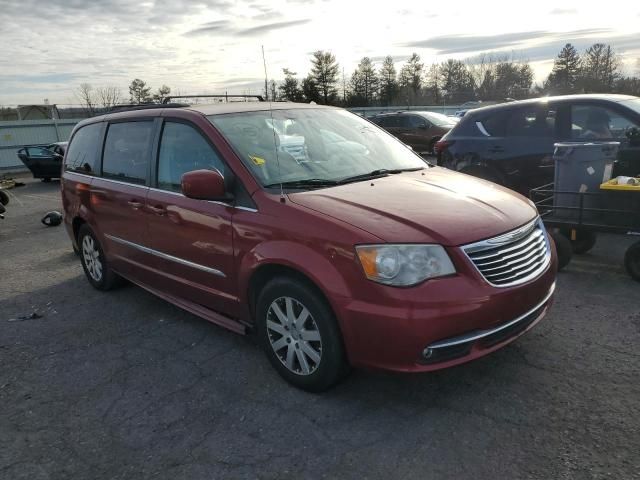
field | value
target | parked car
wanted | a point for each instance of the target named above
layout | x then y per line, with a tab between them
371	258
512	143
44	162
419	130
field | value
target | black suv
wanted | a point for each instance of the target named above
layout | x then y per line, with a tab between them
512	143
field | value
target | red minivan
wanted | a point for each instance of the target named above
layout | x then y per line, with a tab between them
329	238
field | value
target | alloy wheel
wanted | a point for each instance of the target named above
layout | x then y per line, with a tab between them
91	256
294	335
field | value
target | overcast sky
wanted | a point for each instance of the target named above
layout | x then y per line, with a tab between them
48	47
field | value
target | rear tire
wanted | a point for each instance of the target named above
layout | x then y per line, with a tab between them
94	262
563	248
300	335
585	239
632	261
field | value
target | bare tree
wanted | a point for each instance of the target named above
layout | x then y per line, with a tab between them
86	96
109	96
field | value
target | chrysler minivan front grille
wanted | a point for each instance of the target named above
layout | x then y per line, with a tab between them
513	258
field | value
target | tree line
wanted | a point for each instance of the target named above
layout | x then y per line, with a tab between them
100	98
485	77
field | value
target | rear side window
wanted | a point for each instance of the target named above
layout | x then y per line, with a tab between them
183	149
82	156
412	121
531	122
126	151
492	125
390	121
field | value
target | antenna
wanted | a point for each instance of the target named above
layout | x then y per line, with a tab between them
275	142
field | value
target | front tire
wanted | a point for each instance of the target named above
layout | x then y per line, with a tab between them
584	241
300	335
94	262
563	248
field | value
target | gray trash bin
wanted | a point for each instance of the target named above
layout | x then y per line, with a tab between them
581	167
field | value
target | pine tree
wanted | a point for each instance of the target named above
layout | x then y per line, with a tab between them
411	74
139	92
565	75
290	88
324	73
310	90
364	81
600	68
388	82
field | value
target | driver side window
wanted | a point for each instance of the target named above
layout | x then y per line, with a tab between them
183	149
598	122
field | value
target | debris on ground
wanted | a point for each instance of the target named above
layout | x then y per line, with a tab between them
52	219
30	316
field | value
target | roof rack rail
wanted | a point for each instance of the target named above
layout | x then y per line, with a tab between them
168	99
144	106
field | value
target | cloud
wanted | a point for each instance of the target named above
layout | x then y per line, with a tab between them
563	11
225	27
452	44
219	26
59	78
447	44
271	26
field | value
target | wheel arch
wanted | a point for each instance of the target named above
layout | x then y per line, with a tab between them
293	260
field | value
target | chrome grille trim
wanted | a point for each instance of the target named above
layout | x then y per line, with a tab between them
512	258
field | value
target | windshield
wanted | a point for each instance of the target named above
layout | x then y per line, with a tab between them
632	104
439	119
312	144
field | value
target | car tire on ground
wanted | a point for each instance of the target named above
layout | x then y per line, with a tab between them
94	262
584	241
632	261
563	248
300	335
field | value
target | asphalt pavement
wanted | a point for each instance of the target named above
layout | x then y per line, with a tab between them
122	385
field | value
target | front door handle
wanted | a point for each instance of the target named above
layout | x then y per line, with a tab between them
135	204
496	150
157	210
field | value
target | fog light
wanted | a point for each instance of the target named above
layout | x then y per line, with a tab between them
427	352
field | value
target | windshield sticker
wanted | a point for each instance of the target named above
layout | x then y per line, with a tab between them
257	160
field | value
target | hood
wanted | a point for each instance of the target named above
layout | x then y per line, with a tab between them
434	205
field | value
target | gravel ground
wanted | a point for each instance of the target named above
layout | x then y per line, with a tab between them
122	385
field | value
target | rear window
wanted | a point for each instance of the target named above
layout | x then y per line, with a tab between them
82	156
126	151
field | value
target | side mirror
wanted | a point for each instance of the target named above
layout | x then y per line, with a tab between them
424	126
204	185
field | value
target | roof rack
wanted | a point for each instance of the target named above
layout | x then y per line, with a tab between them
144	106
260	98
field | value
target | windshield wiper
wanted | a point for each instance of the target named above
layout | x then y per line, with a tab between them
381	172
307	182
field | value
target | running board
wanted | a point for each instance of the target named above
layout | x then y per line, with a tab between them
196	309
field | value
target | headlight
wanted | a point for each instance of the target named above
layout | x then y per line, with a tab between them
404	265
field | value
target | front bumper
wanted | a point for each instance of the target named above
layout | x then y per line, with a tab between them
459	318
